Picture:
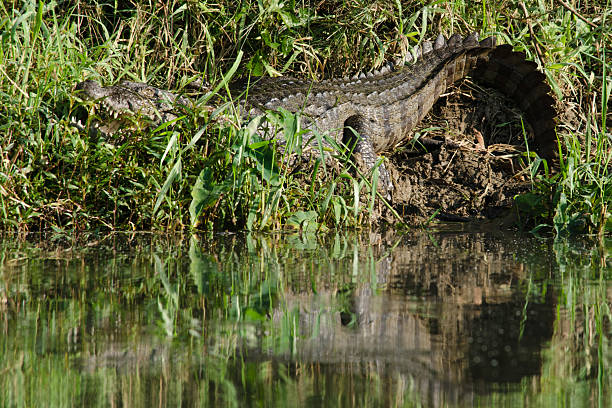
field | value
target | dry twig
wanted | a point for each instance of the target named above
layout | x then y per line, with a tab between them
574	12
533	37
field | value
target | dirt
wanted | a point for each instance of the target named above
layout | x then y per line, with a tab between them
468	163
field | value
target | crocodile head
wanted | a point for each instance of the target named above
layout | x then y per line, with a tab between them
90	89
127	105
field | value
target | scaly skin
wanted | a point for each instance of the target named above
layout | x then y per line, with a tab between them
373	113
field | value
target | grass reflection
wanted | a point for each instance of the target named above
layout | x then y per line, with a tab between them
362	320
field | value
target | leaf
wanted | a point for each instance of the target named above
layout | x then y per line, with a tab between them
305	220
205	193
171	143
339	208
263	153
174	173
328	197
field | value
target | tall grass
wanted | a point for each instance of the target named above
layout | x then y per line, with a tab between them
214	173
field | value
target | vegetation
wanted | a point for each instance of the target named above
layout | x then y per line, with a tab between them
148	320
214	173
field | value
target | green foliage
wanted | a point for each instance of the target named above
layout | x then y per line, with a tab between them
209	171
578	199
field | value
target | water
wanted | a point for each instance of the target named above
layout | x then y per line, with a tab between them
438	318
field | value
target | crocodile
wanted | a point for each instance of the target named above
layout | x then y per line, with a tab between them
375	112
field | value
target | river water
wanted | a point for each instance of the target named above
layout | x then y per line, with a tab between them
446	317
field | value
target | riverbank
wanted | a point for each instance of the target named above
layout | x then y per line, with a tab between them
208	173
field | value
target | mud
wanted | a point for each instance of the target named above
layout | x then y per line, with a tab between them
468	164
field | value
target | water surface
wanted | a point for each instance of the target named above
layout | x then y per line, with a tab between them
430	318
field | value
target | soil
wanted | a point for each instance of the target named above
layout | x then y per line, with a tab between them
467	163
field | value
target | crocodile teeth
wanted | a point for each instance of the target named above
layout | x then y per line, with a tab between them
384	70
427	47
76	123
440	42
355	77
362	75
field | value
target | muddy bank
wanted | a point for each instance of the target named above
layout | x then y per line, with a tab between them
467	164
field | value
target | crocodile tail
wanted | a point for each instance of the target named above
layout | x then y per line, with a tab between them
519	79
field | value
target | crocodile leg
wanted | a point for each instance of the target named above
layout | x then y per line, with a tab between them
356	137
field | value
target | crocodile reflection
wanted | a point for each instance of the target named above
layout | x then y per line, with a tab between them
453	315
445	318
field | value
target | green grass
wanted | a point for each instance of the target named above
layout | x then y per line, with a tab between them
216	174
